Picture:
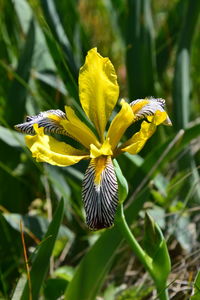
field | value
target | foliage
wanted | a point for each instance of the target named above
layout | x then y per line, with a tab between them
154	47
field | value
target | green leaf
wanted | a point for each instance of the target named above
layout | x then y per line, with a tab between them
11	137
161	266
155	246
70	19
58	43
90	275
196	291
55	25
54	288
122	183
41	259
37	225
60	186
64	272
140	59
181	85
17	93
152	236
168	35
19	288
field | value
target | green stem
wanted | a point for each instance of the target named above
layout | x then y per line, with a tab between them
163	295
129	237
138	251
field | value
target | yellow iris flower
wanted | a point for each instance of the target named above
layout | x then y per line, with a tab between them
98	92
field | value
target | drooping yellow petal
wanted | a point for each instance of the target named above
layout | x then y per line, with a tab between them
147	107
120	123
47	149
100	193
138	140
138	105
50	120
105	149
98	89
158	118
78	130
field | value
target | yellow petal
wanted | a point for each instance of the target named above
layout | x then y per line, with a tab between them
148	107
50	120
138	140
98	89
105	149
137	105
158	118
78	130
47	149
120	123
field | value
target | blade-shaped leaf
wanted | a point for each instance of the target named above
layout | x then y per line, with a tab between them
196	292
41	260
57	42
97	262
19	288
181	86
155	246
11	138
168	35
17	94
140	59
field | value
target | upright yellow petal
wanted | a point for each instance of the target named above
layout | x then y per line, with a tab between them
47	149
98	89
78	130
120	123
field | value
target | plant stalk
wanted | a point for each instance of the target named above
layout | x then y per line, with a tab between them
163	294
138	251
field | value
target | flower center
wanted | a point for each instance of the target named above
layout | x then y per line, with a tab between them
105	149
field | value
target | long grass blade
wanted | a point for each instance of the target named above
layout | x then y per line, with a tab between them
167	36
58	43
41	260
17	94
140	58
181	84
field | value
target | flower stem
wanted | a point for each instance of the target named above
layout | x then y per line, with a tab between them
129	237
138	251
163	295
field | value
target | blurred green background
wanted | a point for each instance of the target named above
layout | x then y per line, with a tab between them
154	46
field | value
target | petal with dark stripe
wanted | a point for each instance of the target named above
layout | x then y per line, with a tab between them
100	193
143	108
49	119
